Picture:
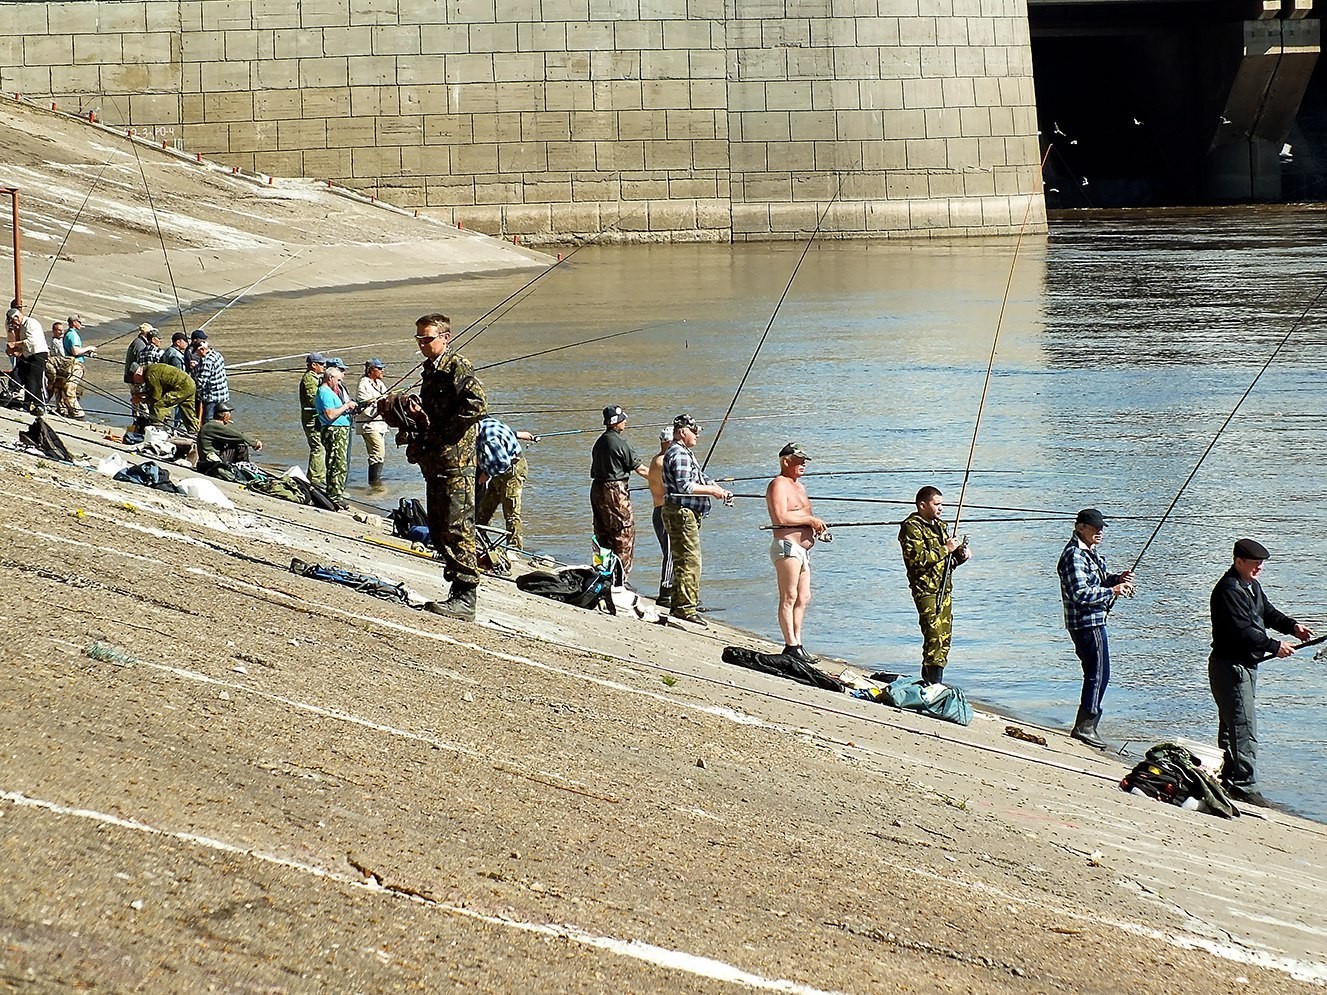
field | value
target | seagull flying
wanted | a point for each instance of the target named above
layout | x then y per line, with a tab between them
1084	181
1137	122
1285	151
1057	128
1224	119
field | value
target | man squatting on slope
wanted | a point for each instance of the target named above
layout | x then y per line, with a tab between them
931	555
795	532
1088	591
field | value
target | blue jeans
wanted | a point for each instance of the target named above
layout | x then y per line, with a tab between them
1094	653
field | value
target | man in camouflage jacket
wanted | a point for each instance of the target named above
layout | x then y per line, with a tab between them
930	555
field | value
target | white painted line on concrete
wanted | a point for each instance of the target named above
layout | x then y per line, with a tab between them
676	960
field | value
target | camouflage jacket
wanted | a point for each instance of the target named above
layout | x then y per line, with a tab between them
924	555
453	398
308	393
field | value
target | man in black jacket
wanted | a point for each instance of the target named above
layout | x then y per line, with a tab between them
1241	615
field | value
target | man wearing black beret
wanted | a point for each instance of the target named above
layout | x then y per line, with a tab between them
1241	616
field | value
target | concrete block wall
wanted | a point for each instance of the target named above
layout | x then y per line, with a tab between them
673	119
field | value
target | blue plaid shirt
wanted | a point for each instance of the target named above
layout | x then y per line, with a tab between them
497	447
1084	586
681	472
210	379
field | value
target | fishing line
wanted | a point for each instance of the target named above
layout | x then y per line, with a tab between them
160	237
1194	472
782	297
1062	515
990	366
280	263
573	345
77	214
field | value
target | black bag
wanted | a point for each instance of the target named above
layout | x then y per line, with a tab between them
41	436
584	587
782	665
410	513
1170	773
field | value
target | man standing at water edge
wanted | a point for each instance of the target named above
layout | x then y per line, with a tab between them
442	445
1088	591
795	532
654	474
612	462
315	365
1241	615
686	501
931	555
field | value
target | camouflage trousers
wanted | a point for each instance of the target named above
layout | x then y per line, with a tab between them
317	456
336	442
683	525
450	495
504	490
937	625
614	521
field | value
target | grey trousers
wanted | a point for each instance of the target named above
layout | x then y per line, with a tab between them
1233	686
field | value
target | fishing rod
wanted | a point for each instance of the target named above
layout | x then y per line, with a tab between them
573	345
1298	646
1062	515
301	355
782	297
1249	390
990	365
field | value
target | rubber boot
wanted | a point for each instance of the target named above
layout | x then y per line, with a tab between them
933	675
665	599
460	604
375	474
1085	730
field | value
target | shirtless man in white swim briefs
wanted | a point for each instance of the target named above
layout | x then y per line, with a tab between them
795	532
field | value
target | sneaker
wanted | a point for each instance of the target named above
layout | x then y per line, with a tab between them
693	618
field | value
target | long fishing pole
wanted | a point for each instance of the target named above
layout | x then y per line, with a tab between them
770	324
1249	390
1062	515
990	365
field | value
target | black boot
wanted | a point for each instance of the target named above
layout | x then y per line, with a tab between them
933	675
665	599
375	474
799	653
1085	730
460	604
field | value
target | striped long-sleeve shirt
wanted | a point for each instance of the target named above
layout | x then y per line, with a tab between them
210	379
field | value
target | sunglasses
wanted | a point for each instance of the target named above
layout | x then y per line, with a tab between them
425	339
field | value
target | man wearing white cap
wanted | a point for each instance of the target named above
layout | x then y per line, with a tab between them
136	354
29	348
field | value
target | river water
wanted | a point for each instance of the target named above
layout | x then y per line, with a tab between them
1124	342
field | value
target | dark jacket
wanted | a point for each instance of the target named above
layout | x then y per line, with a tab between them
1240	621
453	398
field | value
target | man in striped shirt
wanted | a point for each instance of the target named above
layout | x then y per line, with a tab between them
687	494
210	383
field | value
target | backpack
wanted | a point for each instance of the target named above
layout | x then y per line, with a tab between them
939	701
1170	773
362	583
410	514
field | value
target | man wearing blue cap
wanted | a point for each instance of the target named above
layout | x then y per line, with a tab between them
315	365
368	423
1241	616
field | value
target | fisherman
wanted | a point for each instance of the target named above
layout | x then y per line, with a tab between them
686	502
1241	616
57	367
27	344
796	530
166	392
192	357
138	347
174	356
502	473
612	462
154	352
657	494
931	555
368	422
334	406
221	445
1088	590
78	354
442	444
315	365
209	378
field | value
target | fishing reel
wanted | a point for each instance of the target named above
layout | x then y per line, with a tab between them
825	536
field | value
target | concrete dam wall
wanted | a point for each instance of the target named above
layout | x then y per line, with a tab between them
549	119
